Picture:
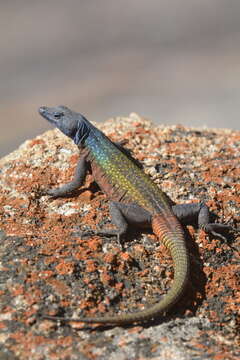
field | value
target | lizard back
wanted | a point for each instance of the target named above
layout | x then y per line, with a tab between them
118	172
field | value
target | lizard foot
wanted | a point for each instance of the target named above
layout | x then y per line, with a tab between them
217	229
105	232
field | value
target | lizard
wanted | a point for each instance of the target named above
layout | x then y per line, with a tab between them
134	200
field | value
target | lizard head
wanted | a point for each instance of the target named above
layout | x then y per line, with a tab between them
72	124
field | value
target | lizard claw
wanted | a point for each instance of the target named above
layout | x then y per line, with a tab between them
44	192
215	229
105	232
50	192
54	192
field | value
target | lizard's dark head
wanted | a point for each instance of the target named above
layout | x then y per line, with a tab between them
72	124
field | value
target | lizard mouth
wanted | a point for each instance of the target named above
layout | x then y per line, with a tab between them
42	111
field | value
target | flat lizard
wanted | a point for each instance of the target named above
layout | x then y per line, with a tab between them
134	200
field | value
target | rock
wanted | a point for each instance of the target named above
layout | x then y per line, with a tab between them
47	266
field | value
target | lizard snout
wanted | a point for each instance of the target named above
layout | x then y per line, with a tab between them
42	109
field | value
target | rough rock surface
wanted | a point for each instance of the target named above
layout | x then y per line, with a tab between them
47	266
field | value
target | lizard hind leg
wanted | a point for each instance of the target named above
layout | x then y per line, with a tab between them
123	215
186	213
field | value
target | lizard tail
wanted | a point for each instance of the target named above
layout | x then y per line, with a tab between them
169	231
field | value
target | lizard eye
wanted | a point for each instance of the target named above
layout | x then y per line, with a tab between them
57	115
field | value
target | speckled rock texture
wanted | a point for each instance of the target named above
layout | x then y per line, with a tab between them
48	266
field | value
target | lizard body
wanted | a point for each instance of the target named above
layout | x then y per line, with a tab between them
135	199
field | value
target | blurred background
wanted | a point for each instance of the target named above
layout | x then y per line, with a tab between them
170	61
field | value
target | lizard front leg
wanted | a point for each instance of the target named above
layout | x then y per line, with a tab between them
187	213
78	179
